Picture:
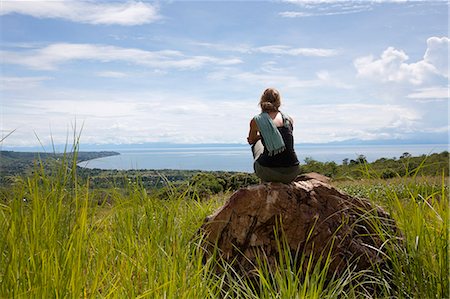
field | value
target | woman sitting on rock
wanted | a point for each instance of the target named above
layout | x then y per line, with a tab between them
273	142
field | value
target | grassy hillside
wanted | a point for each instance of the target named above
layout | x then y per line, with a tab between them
436	164
58	240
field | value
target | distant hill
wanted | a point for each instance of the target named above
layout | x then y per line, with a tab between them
161	145
16	163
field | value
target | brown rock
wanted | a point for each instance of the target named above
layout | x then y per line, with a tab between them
313	217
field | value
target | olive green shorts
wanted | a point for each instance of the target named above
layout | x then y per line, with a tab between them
276	174
272	174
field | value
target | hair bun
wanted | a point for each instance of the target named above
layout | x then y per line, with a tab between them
268	106
270	100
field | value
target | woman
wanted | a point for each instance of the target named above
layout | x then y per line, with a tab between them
273	142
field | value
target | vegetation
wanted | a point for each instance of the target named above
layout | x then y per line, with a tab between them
23	163
436	164
215	182
61	237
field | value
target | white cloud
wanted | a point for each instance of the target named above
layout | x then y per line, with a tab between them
286	50
20	83
106	13
344	1
301	14
271	49
437	54
241	48
325	123
392	66
294	14
269	75
111	74
126	117
328	79
431	93
316	8
50	57
323	8
148	116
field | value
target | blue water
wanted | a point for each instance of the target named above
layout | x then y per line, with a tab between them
239	158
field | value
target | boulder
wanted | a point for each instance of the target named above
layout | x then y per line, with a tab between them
312	217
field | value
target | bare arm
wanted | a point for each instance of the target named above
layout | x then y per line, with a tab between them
253	134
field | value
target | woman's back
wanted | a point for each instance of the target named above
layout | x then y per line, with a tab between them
286	158
272	141
277	118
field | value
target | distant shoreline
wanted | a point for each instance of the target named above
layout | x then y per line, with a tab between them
239	158
163	145
81	155
16	163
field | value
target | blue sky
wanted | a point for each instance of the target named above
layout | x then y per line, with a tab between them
193	71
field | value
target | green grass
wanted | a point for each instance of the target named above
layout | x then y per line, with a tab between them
420	207
57	241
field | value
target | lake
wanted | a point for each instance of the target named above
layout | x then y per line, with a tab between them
239	158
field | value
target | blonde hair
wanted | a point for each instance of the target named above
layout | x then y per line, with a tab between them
270	100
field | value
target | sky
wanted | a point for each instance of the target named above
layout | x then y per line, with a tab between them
132	72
